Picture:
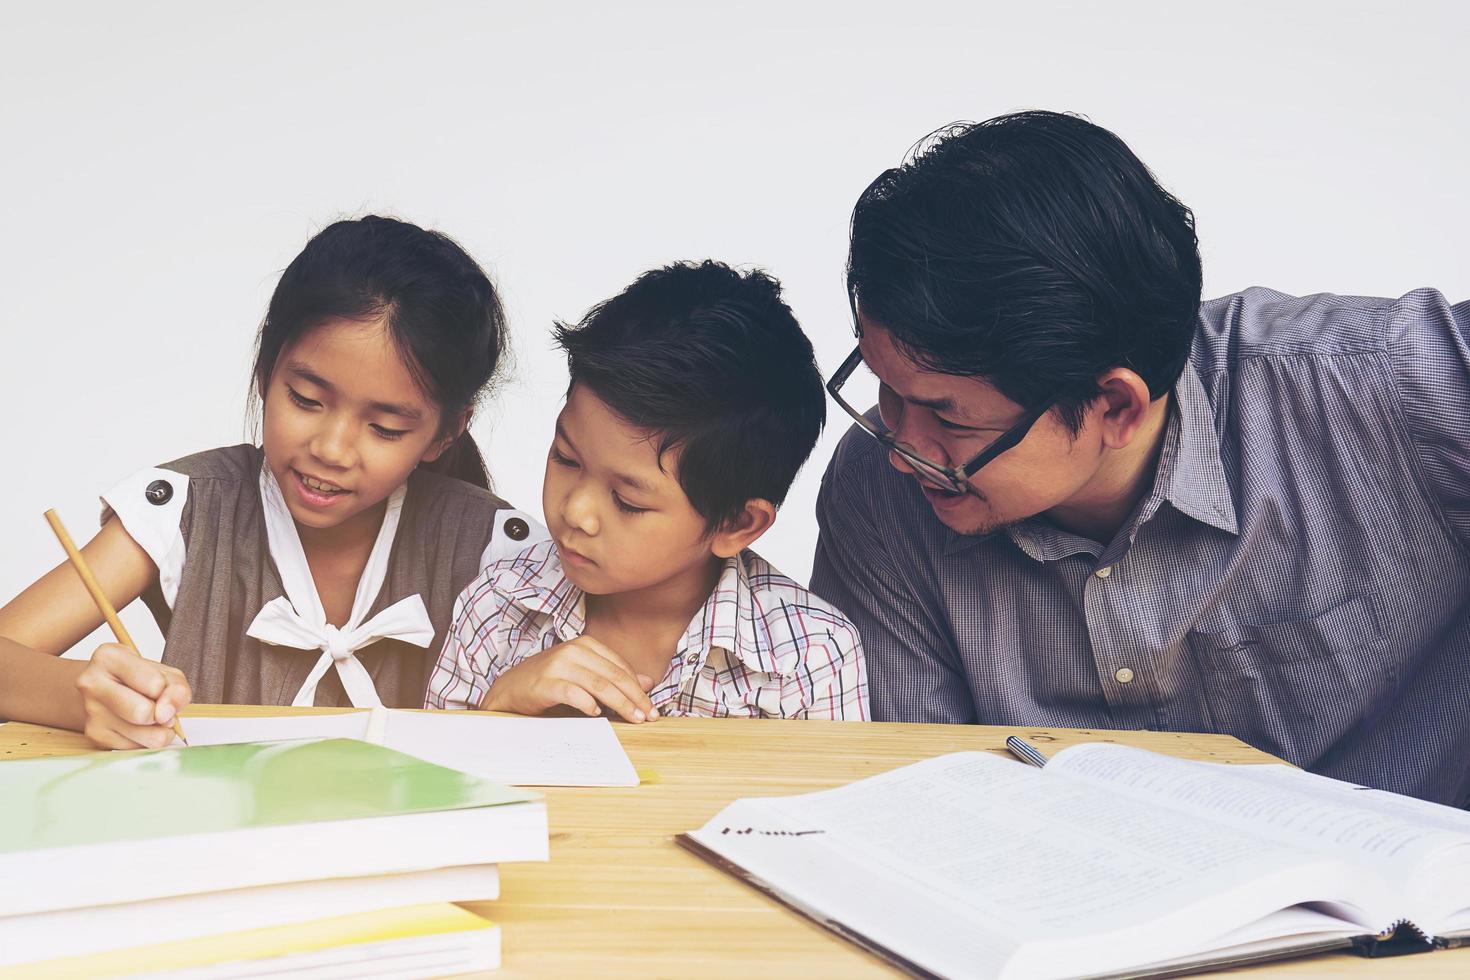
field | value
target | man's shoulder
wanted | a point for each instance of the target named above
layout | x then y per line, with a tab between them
1260	322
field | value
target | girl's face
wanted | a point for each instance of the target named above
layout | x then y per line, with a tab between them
345	423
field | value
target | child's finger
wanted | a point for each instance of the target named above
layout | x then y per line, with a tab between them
138	673
115	697
625	681
139	736
604	651
615	689
573	695
104	736
176	695
606	663
647	683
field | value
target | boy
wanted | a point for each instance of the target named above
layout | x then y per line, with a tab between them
694	400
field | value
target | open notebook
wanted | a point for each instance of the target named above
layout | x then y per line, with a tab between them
1111	861
515	751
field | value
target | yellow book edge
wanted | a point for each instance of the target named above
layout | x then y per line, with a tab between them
385	925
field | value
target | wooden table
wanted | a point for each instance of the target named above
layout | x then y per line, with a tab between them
620	899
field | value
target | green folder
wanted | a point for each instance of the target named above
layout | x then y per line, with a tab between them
108	797
114	827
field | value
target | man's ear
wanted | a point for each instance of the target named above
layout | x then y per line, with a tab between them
736	535
1122	406
438	447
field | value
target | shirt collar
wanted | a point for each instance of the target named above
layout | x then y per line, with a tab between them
1190	476
726	620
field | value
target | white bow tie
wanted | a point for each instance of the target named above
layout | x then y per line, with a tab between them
298	620
278	624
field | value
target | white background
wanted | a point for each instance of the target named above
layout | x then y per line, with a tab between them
160	163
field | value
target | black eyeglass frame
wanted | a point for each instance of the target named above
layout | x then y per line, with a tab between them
955	479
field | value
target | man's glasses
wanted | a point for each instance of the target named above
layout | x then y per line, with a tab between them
955	479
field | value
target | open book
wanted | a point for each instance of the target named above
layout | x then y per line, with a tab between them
1111	861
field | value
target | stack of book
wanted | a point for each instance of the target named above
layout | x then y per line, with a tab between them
293	858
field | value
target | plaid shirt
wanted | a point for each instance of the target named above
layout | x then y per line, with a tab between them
760	647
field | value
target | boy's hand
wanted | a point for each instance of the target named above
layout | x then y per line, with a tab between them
130	701
582	673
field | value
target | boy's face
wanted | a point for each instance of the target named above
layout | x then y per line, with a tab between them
620	520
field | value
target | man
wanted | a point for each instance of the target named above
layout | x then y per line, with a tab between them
1085	500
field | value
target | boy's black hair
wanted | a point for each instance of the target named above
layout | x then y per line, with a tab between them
712	362
1033	250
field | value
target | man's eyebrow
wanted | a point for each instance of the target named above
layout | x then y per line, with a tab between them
624	478
303	371
944	404
949	406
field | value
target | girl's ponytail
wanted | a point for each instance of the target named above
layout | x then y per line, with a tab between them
463	461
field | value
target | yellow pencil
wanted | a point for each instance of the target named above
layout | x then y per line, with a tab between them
98	596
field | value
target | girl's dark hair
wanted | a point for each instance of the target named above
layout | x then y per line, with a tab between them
440	308
1033	250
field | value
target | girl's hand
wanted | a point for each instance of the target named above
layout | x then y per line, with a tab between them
130	701
582	673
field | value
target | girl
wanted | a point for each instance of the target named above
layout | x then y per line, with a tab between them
322	566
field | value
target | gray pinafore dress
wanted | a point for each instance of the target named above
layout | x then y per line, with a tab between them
209	522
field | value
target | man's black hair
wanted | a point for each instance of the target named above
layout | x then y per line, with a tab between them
1032	250
712	362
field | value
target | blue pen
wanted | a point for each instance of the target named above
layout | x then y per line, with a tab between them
1025	751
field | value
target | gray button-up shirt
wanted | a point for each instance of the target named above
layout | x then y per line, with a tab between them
1298	576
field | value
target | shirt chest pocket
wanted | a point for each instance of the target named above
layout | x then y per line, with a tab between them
1295	688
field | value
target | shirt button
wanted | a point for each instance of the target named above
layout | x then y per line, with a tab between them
1104	572
517	529
159	492
1124	675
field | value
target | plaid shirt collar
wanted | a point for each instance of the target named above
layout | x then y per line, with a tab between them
725	620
